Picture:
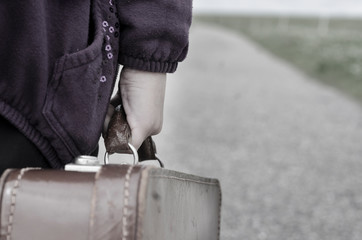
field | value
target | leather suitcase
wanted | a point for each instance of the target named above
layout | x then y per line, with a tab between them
117	202
108	202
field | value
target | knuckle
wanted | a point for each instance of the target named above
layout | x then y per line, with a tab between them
156	129
152	128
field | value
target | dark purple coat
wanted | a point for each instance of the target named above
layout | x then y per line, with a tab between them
59	59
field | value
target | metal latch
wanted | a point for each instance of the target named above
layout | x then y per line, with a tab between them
84	164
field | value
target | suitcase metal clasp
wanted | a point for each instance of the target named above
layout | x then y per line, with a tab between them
134	152
85	163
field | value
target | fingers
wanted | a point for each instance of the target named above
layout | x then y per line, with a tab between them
143	130
143	99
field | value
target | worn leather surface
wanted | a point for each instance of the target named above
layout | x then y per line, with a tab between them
180	206
115	203
121	202
148	150
42	204
118	134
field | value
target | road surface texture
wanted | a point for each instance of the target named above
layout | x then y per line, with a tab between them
287	151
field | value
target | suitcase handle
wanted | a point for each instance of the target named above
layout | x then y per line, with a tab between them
118	137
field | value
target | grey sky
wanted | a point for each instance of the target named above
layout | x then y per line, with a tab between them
349	7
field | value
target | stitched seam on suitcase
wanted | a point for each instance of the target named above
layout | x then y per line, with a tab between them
220	205
141	196
14	193
185	180
93	203
126	195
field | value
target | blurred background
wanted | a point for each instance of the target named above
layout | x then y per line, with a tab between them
306	7
269	102
321	37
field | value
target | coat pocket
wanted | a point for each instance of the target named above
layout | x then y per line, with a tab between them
77	98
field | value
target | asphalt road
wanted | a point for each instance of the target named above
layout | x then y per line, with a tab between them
288	151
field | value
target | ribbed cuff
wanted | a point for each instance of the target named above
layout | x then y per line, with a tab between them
149	66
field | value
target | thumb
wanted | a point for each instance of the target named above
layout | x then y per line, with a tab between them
109	115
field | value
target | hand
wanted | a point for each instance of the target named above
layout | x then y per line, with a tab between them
143	95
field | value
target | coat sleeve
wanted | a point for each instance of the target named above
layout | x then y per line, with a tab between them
153	33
